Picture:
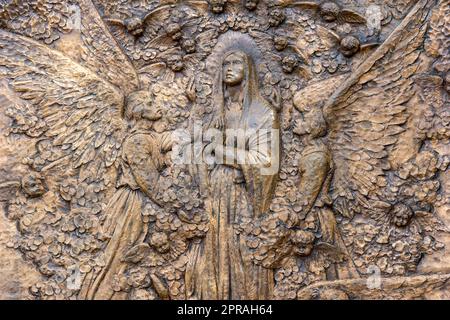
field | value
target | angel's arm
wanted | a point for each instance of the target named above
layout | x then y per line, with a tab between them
313	169
143	155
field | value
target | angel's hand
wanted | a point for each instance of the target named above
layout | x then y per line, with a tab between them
219	123
160	287
275	99
168	160
299	127
190	90
137	253
166	142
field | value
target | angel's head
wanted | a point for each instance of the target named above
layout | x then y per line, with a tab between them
329	11
251	4
280	42
174	30
175	62
312	123
33	185
289	63
160	242
303	241
139	106
135	26
189	45
350	45
217	6
276	17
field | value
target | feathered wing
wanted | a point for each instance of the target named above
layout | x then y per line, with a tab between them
367	112
75	28
102	54
79	139
298	4
350	16
81	112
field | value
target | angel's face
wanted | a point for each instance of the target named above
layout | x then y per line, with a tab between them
151	113
134	26
349	46
189	45
280	43
174	31
233	69
217	6
251	4
140	106
312	124
329	11
33	185
276	17
303	241
303	250
289	63
160	241
175	62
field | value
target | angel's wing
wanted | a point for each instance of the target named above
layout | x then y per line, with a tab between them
328	37
299	4
329	251
77	148
75	28
197	4
366	114
102	54
154	12
206	41
262	38
265	40
350	16
82	112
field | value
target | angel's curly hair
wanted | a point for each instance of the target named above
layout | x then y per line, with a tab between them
133	104
317	123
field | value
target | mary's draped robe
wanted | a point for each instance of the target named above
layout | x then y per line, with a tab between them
221	266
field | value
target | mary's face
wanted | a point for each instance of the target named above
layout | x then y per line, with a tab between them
233	69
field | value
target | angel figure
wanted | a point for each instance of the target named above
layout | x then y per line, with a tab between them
348	45
350	124
250	4
297	61
142	161
136	25
217	6
100	150
316	171
329	11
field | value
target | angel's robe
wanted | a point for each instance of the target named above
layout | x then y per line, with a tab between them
124	227
316	170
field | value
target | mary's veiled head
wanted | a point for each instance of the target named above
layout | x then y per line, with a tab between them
237	79
237	69
233	68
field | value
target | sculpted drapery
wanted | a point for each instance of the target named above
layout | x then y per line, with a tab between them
95	204
240	189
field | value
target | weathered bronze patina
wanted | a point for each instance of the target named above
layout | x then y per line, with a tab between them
222	149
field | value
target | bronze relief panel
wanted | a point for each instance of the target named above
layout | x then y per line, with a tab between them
224	149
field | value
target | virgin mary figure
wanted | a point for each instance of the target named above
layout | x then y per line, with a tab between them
241	185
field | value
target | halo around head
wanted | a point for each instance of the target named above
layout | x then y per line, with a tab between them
232	41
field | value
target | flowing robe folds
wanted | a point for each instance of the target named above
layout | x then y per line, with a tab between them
241	189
